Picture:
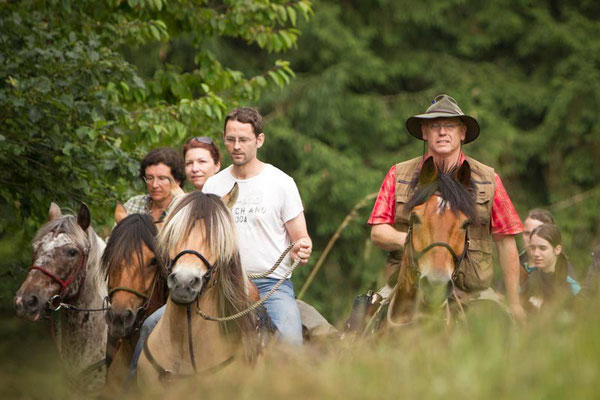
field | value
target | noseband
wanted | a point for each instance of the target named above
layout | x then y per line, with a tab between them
206	277
416	255
64	284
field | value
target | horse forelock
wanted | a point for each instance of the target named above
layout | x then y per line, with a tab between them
452	193
126	240
207	212
199	211
87	241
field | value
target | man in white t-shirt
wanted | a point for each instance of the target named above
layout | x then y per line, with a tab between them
268	215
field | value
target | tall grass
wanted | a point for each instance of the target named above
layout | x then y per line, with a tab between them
555	356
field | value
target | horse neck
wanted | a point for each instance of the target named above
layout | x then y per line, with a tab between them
210	345
82	335
94	289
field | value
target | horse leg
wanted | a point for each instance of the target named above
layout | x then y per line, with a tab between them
117	372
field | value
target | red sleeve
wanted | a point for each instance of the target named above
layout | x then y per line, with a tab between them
384	209
505	220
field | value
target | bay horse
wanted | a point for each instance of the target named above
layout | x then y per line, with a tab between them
136	287
441	209
66	269
198	244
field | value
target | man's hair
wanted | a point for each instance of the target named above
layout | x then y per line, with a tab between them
541	215
246	115
168	156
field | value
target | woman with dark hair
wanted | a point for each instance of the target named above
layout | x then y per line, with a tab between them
202	160
164	174
550	277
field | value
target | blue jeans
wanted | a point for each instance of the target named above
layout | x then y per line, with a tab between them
282	309
147	327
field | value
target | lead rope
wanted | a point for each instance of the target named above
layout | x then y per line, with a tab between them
279	260
253	306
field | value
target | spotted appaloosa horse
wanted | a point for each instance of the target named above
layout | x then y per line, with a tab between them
66	263
442	207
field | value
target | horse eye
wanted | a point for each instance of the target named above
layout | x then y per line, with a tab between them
72	252
466	224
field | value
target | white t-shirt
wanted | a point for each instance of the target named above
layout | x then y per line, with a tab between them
265	203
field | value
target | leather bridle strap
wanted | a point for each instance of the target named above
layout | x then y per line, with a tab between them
416	255
207	275
126	289
63	284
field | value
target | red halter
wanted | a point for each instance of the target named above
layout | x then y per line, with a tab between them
63	284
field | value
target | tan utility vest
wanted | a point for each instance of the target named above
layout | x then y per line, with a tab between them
476	271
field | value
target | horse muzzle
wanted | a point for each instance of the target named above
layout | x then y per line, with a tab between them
184	286
120	322
30	306
435	290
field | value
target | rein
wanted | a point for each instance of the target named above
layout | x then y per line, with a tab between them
166	375
414	259
416	255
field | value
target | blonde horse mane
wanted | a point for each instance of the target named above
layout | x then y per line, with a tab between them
221	242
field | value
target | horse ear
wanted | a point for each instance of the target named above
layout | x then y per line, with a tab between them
83	218
54	212
120	212
428	172
230	198
463	174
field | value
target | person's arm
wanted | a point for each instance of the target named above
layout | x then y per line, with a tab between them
386	237
296	228
509	263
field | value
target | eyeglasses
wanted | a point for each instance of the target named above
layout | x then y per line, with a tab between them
161	179
448	126
202	139
242	140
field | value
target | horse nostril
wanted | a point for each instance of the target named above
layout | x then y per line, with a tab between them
128	317
171	280
32	302
195	281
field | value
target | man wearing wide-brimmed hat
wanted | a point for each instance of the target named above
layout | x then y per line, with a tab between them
445	128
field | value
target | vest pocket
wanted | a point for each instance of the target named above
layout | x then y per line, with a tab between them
482	205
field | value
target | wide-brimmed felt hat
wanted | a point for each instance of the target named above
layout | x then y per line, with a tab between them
443	106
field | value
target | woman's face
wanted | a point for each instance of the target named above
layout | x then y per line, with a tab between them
541	253
199	166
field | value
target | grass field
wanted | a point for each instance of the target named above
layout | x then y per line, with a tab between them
555	356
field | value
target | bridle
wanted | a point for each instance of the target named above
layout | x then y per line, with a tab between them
164	374
205	278
147	298
55	301
414	255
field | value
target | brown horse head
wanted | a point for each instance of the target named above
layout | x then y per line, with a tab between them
134	277
60	251
441	209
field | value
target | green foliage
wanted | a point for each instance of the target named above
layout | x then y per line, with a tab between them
527	71
77	113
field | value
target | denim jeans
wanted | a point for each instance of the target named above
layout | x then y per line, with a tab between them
282	309
147	327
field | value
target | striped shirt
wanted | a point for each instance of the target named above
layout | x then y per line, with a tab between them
504	220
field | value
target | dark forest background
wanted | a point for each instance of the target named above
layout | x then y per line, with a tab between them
88	87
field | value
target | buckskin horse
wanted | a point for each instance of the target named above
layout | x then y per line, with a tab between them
204	273
66	274
442	207
136	288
